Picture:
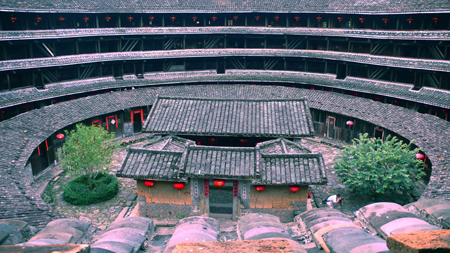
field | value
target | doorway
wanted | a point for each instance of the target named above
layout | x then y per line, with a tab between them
221	201
137	118
331	127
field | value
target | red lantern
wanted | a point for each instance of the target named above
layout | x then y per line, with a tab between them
355	94
235	17
194	18
179	186
38	19
340	19
349	123
385	21
214	18
85	19
319	18
212	140
199	142
257	17
297	18
312	88
410	20
130	18
151	18
377	98
26	107
61	19
259	188
149	184
173	19
435	19
420	156
397	101
60	136
243	141
276	18
362	20
219	183
12	19
294	188
3	111
107	18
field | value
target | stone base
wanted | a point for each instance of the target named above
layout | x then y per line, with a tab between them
435	241
285	215
163	211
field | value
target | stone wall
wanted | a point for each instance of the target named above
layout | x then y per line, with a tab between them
277	197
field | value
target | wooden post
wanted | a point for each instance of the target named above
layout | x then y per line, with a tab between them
206	196
235	199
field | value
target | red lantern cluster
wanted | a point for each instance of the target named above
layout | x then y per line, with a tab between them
173	19
259	188
362	20
257	17
38	19
297	18
276	18
410	20
149	184
107	18
194	18
340	19
235	17
212	140
243	141
85	19
12	19
385	20
61	19
214	18
294	188
219	183
435	19
319	18
151	18
130	18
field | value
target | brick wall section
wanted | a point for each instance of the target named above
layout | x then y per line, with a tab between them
20	135
164	193
277	197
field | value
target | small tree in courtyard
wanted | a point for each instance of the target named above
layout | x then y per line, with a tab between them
373	166
87	151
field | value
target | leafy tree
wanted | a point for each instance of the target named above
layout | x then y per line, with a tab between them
87	151
373	166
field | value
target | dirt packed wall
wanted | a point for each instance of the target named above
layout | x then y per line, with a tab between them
164	193
277	197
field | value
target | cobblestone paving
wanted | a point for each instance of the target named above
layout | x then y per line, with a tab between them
100	215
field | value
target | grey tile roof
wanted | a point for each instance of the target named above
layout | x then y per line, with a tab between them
309	31
230	117
388	61
292	169
151	164
426	95
220	162
216	6
281	146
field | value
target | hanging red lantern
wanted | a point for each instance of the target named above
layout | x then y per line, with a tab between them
319	18
312	88
243	141
199	142
349	123
149	184
397	101
130	18
340	19
219	183
297	18
257	17
355	94
362	20
294	188
179	186
107	18
212	140
235	17
276	18
26	107
420	156
60	136
173	18
194	18
259	188
377	98
61	19
85	19
12	19
151	18
435	19
410	20
38	19
385	21
214	18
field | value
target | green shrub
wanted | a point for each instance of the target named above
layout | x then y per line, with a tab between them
77	192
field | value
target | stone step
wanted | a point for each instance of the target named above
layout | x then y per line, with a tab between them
221	216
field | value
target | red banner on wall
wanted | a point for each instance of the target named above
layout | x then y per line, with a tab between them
235	188
206	187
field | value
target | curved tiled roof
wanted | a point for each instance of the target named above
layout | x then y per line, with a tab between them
236	6
426	95
20	135
388	61
303	31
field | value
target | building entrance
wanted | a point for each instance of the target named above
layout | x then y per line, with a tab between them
221	201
